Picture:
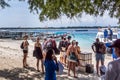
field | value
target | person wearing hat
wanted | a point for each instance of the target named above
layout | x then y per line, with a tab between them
113	68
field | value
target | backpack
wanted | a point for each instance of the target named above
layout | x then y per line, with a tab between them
21	46
89	68
64	44
49	44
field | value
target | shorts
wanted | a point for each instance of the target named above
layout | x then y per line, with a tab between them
63	54
99	57
25	51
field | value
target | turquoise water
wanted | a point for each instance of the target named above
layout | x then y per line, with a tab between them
85	39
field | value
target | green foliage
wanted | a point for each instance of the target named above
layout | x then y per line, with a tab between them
3	4
53	9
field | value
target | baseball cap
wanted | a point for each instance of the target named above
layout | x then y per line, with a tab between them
116	44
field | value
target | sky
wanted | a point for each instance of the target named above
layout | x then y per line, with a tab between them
18	15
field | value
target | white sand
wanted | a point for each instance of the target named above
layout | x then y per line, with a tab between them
11	63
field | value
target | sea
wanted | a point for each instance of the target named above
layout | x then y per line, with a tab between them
85	37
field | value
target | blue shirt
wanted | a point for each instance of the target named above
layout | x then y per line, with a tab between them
105	33
50	68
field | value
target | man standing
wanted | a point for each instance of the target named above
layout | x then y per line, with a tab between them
110	33
113	69
96	47
105	35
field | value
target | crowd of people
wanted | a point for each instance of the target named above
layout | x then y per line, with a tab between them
45	53
69	56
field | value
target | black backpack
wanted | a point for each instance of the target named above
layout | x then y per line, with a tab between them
21	46
89	68
49	45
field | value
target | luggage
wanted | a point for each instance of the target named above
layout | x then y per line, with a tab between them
89	68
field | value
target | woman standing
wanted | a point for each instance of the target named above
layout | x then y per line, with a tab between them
25	51
51	65
38	54
72	58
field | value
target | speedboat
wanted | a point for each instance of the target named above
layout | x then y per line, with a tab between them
100	35
107	42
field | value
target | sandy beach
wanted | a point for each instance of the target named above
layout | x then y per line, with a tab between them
11	63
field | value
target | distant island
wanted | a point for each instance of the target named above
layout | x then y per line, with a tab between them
71	27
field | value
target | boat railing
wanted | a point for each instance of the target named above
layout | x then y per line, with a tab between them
102	29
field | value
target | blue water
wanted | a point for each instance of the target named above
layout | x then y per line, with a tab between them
85	39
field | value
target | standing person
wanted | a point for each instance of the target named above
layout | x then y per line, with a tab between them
44	47
96	47
44	43
72	58
110	33
68	41
77	48
105	35
62	48
25	51
113	68
51	65
38	54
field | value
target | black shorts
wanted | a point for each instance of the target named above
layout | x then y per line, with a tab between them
25	51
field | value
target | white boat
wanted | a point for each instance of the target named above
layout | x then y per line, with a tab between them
107	42
100	35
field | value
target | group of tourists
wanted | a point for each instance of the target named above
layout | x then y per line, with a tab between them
45	53
69	56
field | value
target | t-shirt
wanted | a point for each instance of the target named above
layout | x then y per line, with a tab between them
97	46
62	44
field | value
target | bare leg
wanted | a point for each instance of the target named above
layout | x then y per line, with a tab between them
69	64
25	60
37	64
102	62
42	66
65	60
97	67
74	64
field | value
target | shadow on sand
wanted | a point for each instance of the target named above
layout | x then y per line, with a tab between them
31	74
21	74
